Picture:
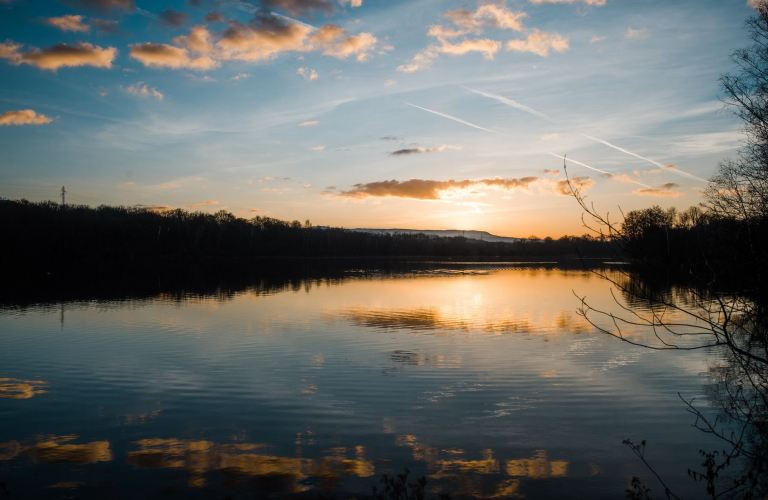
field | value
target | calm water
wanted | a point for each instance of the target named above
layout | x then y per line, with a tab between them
480	377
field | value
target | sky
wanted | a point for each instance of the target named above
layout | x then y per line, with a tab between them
414	114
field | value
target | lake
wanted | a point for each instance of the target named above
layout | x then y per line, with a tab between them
297	380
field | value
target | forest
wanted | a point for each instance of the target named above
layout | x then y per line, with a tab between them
47	230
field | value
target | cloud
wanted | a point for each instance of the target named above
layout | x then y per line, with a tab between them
488	15
579	183
597	3
106	26
23	117
493	14
172	18
139	88
203	203
251	210
547	137
318	148
390	82
159	55
307	74
301	7
550	172
308	124
596	39
68	23
540	43
420	61
636	33
241	76
390	138
665	190
619	177
487	47
352	3
263	40
59	55
214	17
127	5
411	151
421	189
337	43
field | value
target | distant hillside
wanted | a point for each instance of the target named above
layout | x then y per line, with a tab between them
475	235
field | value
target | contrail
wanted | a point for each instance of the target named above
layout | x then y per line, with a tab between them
663	167
508	102
252	9
593	168
147	13
450	117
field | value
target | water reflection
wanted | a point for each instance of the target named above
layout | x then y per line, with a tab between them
439	322
239	463
58	450
14	388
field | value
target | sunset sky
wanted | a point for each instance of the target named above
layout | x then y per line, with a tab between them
421	114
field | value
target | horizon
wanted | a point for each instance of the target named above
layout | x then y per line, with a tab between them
357	114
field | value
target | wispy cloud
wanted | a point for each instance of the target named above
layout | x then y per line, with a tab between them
309	124
140	88
307	74
203	204
636	33
318	148
596	39
412	151
68	23
451	118
667	189
540	43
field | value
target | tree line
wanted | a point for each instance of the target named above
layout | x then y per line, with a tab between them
49	230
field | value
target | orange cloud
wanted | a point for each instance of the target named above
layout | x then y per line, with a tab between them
421	189
487	47
540	43
352	3
139	88
579	183
665	190
68	23
308	124
23	117
159	55
59	55
335	42
262	41
203	203
307	74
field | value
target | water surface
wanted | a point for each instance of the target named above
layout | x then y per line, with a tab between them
292	381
